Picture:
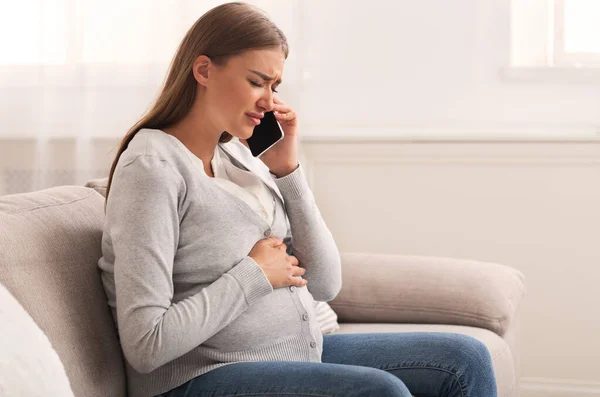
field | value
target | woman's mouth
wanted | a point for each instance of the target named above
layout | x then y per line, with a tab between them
254	118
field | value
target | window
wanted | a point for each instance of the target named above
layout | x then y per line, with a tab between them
577	32
555	33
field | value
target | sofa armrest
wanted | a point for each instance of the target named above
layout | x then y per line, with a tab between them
411	289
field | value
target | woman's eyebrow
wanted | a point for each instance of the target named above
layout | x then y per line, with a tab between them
264	76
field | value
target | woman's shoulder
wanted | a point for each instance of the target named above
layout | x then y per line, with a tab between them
150	143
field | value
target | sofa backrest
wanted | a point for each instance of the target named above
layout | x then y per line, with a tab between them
50	243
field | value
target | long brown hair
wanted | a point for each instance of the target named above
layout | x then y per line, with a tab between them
224	31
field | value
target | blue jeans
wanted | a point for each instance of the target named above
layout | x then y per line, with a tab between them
378	364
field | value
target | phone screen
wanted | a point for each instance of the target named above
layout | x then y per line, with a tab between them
265	135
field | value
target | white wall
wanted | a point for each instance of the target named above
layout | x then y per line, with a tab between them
430	67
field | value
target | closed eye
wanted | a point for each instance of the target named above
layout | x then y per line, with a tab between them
255	84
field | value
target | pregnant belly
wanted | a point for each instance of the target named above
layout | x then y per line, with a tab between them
269	320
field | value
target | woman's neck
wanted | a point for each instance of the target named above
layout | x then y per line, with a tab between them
196	133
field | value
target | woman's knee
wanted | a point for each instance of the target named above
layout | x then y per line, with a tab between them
472	354
382	383
476	350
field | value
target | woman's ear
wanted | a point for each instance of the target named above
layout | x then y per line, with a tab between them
201	69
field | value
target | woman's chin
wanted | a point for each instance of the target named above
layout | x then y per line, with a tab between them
244	134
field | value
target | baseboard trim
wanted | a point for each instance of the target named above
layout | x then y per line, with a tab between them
545	387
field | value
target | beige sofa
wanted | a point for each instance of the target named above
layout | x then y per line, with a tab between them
53	306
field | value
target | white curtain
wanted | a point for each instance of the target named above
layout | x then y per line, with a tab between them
76	73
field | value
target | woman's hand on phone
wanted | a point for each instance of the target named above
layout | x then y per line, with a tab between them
282	158
281	269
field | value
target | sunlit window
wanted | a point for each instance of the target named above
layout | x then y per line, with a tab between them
32	31
577	36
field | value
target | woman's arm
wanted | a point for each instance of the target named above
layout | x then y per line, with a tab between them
312	241
143	223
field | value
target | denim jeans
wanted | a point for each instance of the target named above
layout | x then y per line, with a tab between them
377	364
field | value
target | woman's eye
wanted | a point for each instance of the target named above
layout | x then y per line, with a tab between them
254	83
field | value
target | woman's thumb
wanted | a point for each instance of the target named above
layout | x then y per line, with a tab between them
275	241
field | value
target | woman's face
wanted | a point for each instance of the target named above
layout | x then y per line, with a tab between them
242	90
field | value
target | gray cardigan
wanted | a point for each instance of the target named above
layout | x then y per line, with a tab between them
184	293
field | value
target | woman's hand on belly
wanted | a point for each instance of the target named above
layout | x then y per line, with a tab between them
281	269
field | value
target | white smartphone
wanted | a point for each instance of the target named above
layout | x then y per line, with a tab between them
265	135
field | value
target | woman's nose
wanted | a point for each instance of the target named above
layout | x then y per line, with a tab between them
266	102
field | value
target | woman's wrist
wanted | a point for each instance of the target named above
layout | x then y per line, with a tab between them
285	171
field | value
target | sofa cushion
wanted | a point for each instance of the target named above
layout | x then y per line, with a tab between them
49	249
98	185
499	350
391	288
29	365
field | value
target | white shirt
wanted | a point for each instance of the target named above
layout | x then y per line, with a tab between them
243	184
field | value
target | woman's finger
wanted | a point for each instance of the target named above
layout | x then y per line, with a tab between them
285	116
299	282
298	271
275	241
283	108
293	260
